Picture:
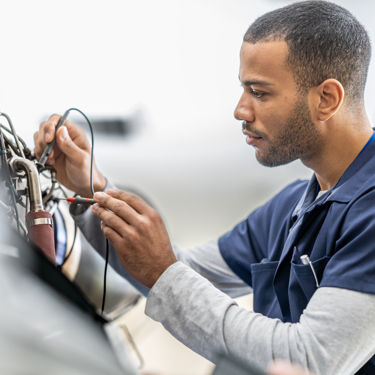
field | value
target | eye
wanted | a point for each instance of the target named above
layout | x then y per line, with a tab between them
257	94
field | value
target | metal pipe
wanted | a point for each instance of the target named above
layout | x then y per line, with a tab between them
35	194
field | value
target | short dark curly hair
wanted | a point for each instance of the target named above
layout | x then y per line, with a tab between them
324	41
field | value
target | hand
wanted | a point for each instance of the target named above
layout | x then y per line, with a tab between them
138	234
71	156
285	368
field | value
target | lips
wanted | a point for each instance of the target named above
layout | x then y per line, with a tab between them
251	139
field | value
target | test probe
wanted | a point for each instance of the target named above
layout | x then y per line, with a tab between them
48	149
80	200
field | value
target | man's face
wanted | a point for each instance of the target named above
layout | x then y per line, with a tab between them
276	117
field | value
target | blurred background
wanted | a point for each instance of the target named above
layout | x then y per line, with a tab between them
159	80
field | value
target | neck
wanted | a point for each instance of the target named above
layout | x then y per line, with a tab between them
340	147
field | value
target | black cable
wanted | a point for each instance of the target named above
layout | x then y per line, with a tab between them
92	146
71	248
105	272
92	191
91	170
8	179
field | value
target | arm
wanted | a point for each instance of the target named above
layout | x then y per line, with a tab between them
336	333
331	337
71	159
209	263
205	259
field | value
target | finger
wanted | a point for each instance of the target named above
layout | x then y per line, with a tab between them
37	149
47	128
45	134
119	207
77	135
282	368
40	143
50	161
111	220
112	236
74	153
132	200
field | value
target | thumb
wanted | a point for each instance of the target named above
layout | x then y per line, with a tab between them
283	368
67	146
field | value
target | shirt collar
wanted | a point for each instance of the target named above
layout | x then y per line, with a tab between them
346	187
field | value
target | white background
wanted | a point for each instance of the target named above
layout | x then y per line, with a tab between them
175	63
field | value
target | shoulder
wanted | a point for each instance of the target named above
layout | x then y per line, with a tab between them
277	210
284	202
292	192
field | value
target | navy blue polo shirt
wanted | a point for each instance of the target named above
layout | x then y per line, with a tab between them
336	231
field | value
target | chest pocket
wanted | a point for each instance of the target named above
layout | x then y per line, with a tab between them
265	301
305	275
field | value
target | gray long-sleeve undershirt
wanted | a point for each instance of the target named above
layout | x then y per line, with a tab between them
335	335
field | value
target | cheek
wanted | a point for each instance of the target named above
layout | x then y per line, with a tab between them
268	119
273	116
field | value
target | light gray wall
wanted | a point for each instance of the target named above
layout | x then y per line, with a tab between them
175	61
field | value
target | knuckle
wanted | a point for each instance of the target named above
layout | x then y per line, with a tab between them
55	117
143	224
155	216
36	136
130	198
133	236
110	219
42	125
118	205
99	212
146	227
106	231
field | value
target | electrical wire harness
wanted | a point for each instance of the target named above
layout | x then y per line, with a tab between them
28	206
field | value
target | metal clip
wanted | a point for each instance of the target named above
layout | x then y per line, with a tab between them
306	261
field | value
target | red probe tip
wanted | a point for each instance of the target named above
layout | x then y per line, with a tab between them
71	200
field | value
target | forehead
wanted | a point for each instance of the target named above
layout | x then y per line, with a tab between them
265	61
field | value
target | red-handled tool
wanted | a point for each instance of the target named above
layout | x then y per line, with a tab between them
80	200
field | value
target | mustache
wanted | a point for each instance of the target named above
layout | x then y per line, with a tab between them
247	126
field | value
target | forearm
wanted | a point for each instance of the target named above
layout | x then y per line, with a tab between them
206	259
336	333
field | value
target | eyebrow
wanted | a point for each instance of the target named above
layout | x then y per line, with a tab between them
250	83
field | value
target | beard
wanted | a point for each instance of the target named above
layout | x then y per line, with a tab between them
296	137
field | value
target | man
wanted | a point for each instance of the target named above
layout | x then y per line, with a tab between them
308	254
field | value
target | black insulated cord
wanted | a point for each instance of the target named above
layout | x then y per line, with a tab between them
45	155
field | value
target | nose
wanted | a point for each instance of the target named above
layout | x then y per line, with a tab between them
244	110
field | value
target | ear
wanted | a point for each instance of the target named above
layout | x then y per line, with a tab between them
328	98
